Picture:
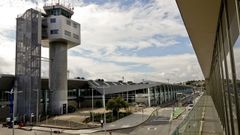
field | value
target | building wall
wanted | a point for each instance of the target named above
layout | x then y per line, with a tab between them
223	83
63	28
4	113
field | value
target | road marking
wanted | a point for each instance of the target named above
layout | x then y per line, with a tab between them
152	128
126	126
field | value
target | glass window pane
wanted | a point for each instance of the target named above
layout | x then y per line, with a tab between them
54	31
233	32
236	52
232	16
53	20
67	33
68	22
227	71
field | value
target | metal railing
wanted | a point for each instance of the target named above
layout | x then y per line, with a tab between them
192	123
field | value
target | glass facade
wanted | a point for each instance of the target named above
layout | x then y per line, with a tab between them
225	70
223	83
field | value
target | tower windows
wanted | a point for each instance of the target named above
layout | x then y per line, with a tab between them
54	31
75	36
53	20
67	33
75	25
68	22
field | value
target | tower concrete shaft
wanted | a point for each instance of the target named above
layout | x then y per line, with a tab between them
58	77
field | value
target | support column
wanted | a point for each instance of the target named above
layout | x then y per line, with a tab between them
149	97
174	93
45	101
159	95
58	77
135	95
167	93
171	92
164	93
127	96
155	96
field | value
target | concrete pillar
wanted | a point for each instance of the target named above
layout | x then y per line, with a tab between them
135	95
159	95
174	93
149	97
155	96
161	92
167	88
171	92
58	77
127	96
45	101
164	93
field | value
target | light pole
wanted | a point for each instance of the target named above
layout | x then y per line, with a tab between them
104	110
104	106
92	107
14	95
37	105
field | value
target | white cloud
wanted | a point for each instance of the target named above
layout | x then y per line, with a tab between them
108	26
175	67
105	29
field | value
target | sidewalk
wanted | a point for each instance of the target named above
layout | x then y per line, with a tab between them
178	111
129	121
211	123
132	120
202	119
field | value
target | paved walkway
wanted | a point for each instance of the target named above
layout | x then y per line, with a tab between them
203	119
211	124
126	122
158	124
178	111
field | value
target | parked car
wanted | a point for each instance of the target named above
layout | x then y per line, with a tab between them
190	106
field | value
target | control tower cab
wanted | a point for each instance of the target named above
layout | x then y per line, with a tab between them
59	26
59	33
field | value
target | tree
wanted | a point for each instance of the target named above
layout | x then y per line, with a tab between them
115	104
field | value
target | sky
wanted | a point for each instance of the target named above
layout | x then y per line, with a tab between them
135	39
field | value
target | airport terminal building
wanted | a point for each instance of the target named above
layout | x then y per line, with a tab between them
85	93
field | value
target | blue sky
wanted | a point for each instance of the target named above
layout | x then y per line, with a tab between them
137	39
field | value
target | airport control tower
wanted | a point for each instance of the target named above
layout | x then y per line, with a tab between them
62	34
35	29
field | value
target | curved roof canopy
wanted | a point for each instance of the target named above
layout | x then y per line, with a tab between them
201	19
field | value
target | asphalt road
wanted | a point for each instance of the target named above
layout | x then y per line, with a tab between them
7	131
156	125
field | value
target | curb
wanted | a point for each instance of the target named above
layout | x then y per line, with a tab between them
180	114
25	129
62	129
130	126
66	128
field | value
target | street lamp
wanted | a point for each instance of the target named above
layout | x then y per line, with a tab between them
104	106
14	95
36	90
92	107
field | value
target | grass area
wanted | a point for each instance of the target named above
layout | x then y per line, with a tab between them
178	111
109	117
